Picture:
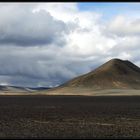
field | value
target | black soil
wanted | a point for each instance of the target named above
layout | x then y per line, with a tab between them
69	117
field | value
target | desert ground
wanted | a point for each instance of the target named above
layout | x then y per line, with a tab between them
59	116
90	92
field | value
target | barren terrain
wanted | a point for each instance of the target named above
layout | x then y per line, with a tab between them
69	116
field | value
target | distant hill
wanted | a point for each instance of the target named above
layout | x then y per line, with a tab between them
39	88
114	74
6	88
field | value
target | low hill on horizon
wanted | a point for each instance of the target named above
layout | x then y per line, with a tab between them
19	89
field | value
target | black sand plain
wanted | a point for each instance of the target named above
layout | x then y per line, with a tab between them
40	116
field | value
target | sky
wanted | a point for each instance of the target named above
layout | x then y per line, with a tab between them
47	44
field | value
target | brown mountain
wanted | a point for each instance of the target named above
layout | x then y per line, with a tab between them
114	74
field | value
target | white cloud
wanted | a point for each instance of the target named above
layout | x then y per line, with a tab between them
123	26
62	11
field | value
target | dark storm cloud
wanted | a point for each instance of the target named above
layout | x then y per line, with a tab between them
40	66
29	29
32	65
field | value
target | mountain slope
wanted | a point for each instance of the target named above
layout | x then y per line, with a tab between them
114	74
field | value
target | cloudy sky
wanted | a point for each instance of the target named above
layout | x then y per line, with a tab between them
46	44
